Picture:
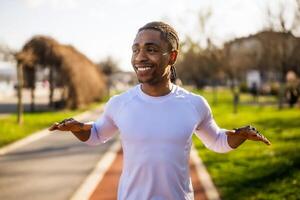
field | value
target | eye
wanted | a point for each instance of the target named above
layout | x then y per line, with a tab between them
135	50
152	50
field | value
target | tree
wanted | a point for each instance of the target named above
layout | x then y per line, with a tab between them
80	75
197	66
239	56
7	54
283	49
108	66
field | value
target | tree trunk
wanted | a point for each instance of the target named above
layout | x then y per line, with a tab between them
32	89
236	95
215	94
281	88
32	105
51	84
19	88
281	96
236	98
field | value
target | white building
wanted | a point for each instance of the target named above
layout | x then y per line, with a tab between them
253	78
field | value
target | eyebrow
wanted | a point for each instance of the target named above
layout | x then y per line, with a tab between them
147	44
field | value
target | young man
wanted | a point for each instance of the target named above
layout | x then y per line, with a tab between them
156	120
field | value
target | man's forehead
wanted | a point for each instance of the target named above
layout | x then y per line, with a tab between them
148	37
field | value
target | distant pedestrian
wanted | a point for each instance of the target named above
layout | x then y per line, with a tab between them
254	91
292	96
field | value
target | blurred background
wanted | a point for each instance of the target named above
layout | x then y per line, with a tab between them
242	55
249	46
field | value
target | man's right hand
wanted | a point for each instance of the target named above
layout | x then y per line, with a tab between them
69	124
81	130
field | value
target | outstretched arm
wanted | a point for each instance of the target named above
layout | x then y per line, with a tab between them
220	140
237	136
81	130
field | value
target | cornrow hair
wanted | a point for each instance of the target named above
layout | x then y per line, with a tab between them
168	34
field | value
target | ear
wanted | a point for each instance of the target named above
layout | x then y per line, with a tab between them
173	57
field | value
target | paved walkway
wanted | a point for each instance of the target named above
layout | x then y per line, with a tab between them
50	168
107	188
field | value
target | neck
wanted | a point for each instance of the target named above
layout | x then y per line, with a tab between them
159	89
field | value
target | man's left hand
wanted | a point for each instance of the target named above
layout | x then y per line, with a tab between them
249	133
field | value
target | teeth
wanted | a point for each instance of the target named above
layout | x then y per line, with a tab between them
143	68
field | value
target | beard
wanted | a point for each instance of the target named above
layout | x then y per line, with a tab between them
155	78
150	81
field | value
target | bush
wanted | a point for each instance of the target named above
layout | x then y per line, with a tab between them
274	88
244	88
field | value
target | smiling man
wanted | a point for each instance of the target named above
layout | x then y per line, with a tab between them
156	120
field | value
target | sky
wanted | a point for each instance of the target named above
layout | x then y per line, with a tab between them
101	28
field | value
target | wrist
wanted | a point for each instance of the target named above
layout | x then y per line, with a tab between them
85	126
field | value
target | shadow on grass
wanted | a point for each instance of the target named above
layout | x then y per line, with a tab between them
251	185
278	122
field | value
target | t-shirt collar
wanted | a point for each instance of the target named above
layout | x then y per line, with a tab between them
147	97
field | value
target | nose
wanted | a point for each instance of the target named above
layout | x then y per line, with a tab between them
140	56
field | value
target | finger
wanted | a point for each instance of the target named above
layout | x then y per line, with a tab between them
53	127
69	119
265	140
65	120
262	138
69	122
66	126
62	127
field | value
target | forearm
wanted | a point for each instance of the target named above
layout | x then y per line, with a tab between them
234	141
85	132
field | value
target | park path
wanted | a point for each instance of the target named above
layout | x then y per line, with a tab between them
50	168
9	103
108	186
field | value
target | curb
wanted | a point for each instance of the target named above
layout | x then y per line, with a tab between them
209	188
22	142
87	188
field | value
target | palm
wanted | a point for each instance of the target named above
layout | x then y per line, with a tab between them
250	133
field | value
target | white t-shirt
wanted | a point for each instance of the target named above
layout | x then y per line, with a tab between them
156	135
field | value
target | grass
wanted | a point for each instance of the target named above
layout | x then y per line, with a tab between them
10	131
254	170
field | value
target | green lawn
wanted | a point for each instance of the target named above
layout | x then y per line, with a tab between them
254	170
10	131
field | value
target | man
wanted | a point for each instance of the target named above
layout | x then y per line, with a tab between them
156	120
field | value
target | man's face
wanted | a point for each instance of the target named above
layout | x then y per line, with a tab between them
150	57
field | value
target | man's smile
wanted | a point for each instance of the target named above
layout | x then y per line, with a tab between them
143	67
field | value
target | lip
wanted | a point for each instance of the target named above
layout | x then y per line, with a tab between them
143	69
143	66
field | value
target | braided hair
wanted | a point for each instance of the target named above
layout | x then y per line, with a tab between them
168	34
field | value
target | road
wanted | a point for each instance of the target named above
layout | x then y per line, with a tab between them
8	103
